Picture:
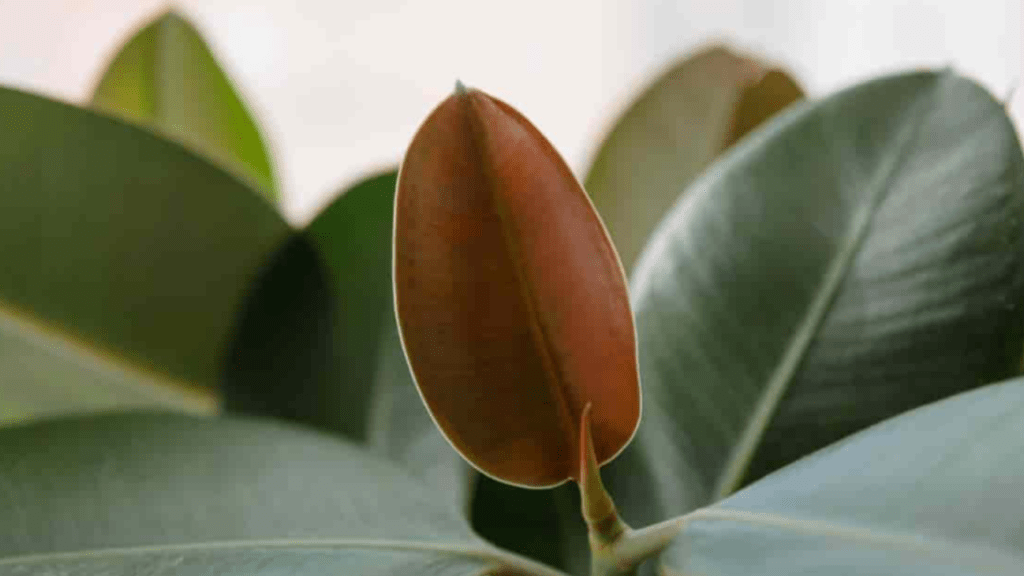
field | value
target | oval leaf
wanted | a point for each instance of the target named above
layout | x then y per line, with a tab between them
933	491
672	132
166	78
510	298
127	493
124	259
862	256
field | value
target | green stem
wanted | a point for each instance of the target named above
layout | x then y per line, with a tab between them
615	548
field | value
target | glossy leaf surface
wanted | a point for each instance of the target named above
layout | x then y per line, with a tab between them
510	298
124	259
933	492
162	493
166	78
681	123
862	256
318	343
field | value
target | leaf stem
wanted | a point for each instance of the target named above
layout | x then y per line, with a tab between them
615	548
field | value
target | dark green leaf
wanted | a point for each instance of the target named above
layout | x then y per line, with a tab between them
861	256
696	109
540	524
318	343
353	235
936	491
124	259
284	359
166	78
138	493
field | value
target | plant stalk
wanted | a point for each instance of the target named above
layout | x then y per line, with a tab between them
615	548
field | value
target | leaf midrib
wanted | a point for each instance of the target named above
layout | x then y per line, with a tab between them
538	328
796	349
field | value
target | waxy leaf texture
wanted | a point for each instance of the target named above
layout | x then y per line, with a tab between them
511	300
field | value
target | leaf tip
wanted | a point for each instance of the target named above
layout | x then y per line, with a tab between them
172	12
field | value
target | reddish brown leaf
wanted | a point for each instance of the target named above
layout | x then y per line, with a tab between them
511	301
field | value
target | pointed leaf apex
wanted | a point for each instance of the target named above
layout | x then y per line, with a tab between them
172	13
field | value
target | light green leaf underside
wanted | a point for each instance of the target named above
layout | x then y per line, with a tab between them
193	493
934	491
166	78
861	256
124	258
680	123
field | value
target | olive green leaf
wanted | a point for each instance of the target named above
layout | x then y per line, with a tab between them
166	78
861	256
149	492
684	120
124	258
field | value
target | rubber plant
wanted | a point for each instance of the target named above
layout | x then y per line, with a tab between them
812	368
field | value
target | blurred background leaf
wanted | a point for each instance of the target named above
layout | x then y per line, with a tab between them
669	135
166	78
317	341
125	257
935	491
859	257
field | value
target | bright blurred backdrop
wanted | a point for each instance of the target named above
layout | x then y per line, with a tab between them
340	87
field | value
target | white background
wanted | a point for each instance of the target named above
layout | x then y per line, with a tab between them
340	87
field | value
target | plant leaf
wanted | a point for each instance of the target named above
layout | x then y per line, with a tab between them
166	78
318	344
696	109
128	492
353	234
284	359
124	258
934	491
545	525
402	429
510	298
862	256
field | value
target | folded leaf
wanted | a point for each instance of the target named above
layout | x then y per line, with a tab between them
934	492
861	256
166	78
124	259
510	298
672	132
134	493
